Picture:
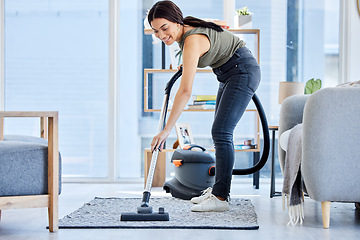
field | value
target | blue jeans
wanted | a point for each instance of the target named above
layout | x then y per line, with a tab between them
238	80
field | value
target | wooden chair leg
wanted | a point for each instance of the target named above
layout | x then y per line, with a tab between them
325	206
53	174
0	215
53	219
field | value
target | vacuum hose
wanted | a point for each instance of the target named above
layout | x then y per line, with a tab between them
266	148
261	163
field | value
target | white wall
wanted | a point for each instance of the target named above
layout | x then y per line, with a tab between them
349	41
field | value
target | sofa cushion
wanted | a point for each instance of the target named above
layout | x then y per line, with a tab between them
23	166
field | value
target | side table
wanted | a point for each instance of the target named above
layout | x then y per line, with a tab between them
273	193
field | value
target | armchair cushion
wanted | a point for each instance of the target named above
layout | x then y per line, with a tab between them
23	166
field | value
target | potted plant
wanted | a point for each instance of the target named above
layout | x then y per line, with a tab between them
312	86
243	17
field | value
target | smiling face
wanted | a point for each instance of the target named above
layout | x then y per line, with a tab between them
166	31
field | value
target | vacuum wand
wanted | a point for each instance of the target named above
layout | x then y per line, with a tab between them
144	212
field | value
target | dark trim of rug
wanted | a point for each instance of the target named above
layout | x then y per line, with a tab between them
158	227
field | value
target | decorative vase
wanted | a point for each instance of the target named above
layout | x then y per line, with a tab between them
244	21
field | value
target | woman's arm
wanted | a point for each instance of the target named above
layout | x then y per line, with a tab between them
194	47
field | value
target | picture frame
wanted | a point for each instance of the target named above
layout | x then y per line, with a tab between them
184	134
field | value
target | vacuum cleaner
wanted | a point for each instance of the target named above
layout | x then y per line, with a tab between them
145	212
193	172
196	171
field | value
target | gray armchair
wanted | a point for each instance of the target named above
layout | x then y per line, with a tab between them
330	143
29	167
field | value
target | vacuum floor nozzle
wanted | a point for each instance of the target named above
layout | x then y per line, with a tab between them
146	216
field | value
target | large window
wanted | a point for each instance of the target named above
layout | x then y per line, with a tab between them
56	58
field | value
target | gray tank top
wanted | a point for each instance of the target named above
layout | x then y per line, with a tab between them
222	46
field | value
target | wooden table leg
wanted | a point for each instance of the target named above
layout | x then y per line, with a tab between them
160	170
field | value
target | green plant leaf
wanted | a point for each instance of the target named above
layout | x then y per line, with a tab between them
312	86
243	11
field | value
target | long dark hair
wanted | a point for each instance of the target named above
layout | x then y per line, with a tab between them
170	11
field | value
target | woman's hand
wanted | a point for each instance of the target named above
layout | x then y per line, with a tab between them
159	140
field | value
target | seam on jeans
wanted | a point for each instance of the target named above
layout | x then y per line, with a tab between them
222	123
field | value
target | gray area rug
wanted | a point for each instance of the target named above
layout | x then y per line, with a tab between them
105	213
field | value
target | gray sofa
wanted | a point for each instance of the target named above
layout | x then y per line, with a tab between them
330	164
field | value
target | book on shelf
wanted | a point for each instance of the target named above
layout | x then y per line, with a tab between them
204	97
201	107
203	102
209	102
243	147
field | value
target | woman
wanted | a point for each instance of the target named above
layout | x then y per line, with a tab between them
207	44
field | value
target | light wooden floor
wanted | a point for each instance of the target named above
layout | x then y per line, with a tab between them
30	223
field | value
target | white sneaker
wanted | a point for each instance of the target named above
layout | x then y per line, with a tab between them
204	195
211	204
